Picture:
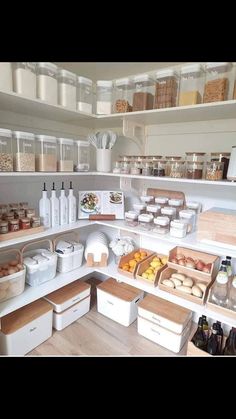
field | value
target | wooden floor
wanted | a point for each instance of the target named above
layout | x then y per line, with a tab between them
95	334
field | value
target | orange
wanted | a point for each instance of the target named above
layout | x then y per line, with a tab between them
125	268
131	269
143	254
132	263
137	255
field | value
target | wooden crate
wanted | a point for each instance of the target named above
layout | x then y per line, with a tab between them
126	258
144	265
192	350
218	309
204	257
218	224
166	273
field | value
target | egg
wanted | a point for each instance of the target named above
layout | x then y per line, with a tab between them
12	271
14	262
181	262
5	266
200	265
19	266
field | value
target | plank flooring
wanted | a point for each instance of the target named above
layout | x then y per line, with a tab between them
97	335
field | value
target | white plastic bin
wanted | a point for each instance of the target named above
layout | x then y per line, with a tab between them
13	284
67	88
69	261
6	77
24	79
47	82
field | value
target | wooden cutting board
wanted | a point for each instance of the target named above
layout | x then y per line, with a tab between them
167	193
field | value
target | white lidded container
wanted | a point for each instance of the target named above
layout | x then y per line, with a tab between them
65	155
231	173
178	228
118	301
189	217
144	92
69	303
161	225
24	79
67	261
104	97
82	156
84	95
145	221
123	95
47	82
24	151
26	328
219	83
6	77
66	88
166	92
13	284
164	323
46	153
191	84
6	156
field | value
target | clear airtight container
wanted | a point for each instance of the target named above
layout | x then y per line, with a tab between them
194	170
82	154
155	210
166	93
161	225
162	201
24	151
66	88
188	217
169	212
139	208
170	159
47	82
177	169
193	156
6	77
214	170
159	168
146	199
131	218
117	167
6	157
123	95
46	153
177	204
144	92
224	158
104	97
65	155
219	82
24	79
178	229
145	221
191	85
84	95
195	206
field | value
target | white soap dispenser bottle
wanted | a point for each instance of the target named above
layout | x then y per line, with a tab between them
72	205
44	208
54	202
63	205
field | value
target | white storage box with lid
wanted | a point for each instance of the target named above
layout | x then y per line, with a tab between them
11	283
104	97
24	79
40	262
6	156
219	82
6	77
65	152
66	88
84	95
191	85
82	153
144	92
164	323
123	92
69	303
46	153
26	328
118	301
47	82
24	151
72	259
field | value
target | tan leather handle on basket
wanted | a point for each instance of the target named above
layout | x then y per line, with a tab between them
57	238
37	242
19	253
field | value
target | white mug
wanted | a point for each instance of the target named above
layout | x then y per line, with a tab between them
103	160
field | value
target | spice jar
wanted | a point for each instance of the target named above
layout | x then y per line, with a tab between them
188	217
155	210
6	156
117	167
24	79
14	225
131	218
23	205
147	169
13	206
177	169
125	167
219	82
104	97
30	212
194	170
84	95
65	149
140	208
191	85
145	221
135	168
161	225
67	83
166	89
25	223
3	210
169	212
3	227
146	199
162	201
35	222
47	82
82	156
170	159
214	170
195	157
177	204
159	168
46	153
222	157
178	229
144	92
24	151
20	213
8	216
123	93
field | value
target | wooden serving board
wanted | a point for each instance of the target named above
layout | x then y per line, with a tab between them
21	233
166	192
120	290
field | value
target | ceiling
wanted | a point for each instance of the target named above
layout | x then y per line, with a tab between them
112	70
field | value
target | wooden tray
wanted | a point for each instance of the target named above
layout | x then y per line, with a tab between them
192	350
218	309
21	233
204	257
144	265
169	194
126	258
166	273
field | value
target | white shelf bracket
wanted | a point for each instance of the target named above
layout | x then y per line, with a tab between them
135	132
125	184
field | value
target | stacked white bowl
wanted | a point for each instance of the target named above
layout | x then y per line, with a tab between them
97	244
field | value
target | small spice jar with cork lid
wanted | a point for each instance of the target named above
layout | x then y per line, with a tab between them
3	227
224	158
25	223
20	213
35	222
14	225
30	212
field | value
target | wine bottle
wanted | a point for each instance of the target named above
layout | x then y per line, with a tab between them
219	294
213	341
230	344
219	335
205	327
199	338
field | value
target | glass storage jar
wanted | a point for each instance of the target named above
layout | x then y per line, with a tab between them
177	168
222	157
214	170
104	97
147	169
131	218
161	225
30	212
166	92
14	225
192	156
6	77
4	227
65	152
178	229
162	201
82	155
3	210
117	167
146	199
125	167
219	83
46	153
177	204
169	212
66	88
145	221
25	223
47	82
24	79
155	210
135	168
19	213
24	151
159	168
123	95
35	222
6	157
194	170
170	159
191	85
140	208
188	217
144	92
84	95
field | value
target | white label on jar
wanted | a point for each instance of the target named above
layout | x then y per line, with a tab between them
47	89
84	107
103	108
24	82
